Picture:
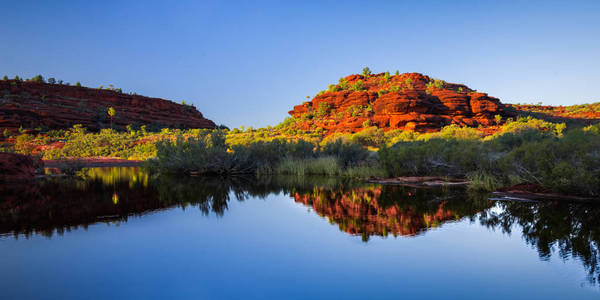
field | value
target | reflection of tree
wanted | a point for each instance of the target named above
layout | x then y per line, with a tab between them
114	194
571	228
106	195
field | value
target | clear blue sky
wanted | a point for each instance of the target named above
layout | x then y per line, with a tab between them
248	62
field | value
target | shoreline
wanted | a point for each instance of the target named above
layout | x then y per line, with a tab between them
93	162
525	192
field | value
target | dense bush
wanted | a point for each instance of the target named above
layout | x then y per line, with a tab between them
560	162
107	142
210	154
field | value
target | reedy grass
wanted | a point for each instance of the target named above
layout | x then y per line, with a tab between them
327	165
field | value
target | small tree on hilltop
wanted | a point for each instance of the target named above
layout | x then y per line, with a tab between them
51	80
111	113
366	72
77	83
38	78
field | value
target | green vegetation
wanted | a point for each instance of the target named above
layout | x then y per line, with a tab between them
357	86
111	113
386	76
408	83
437	83
209	153
343	84
527	151
322	110
366	72
78	143
38	78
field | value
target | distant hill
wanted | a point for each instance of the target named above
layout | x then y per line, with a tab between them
409	101
579	114
31	104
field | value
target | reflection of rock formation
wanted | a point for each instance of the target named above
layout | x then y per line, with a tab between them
115	194
366	211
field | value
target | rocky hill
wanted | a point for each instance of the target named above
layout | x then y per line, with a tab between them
409	101
31	104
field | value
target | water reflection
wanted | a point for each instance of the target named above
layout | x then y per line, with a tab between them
112	195
395	210
571	229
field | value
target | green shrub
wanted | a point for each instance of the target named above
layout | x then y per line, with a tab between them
38	78
343	83
366	72
408	83
322	109
357	86
347	153
369	136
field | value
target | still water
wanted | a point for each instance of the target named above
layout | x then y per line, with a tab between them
119	233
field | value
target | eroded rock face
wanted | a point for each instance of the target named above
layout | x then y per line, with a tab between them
53	106
409	101
18	167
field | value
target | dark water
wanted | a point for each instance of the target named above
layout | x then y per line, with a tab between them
121	234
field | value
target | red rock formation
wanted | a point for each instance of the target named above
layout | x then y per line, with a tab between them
409	101
54	106
16	167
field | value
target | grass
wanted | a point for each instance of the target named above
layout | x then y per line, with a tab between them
482	181
312	166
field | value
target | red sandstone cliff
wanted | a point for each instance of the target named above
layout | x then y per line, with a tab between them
54	106
409	101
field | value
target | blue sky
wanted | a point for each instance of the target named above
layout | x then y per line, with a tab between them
248	62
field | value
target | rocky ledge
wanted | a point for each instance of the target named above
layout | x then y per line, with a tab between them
55	106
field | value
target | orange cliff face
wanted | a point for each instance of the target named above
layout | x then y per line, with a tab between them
54	106
409	101
360	212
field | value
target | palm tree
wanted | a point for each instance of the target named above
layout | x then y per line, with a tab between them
111	113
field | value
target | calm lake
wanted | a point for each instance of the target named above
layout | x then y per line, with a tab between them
119	233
